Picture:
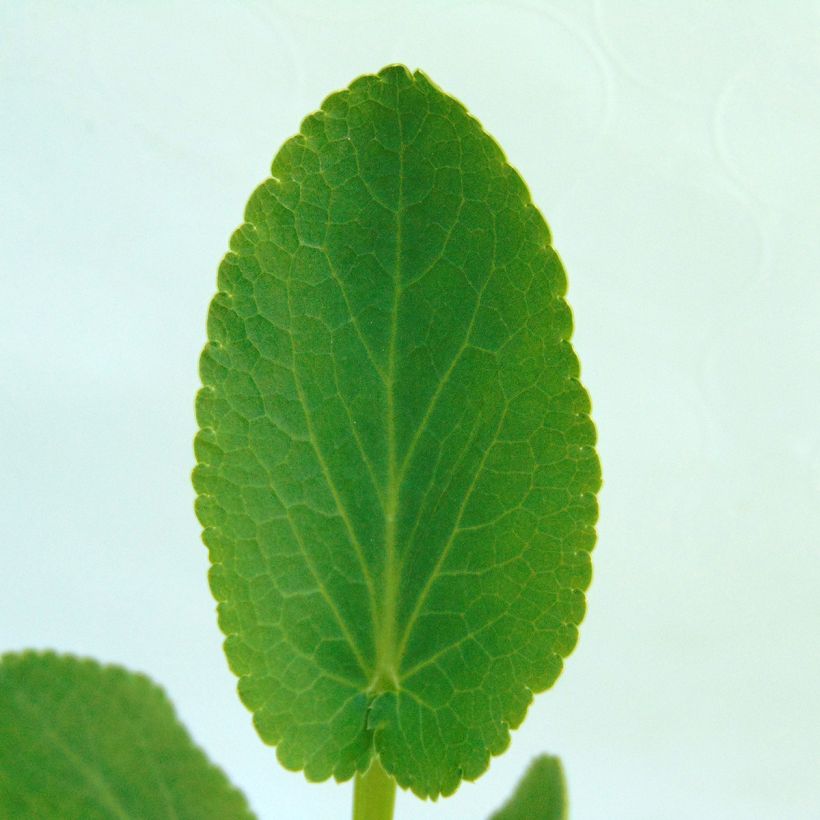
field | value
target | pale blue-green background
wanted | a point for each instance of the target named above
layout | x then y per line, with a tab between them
672	147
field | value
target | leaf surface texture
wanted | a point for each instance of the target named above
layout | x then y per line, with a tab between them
80	740
396	469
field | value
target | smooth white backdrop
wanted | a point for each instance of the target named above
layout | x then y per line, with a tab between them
673	149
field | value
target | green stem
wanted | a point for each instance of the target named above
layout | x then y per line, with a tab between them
374	794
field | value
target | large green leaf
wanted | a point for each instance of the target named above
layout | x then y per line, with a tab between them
396	470
80	740
541	794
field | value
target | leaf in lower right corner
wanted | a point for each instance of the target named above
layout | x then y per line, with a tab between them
541	794
81	740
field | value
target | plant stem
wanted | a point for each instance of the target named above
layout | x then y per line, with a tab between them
374	794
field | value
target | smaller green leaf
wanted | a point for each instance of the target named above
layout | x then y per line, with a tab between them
81	740
540	795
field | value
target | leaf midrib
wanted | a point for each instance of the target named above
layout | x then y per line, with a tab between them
386	672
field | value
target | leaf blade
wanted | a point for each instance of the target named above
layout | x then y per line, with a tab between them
541	794
396	468
81	740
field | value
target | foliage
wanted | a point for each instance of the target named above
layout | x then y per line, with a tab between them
541	794
80	740
396	466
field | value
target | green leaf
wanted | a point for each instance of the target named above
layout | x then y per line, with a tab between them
80	740
396	466
540	795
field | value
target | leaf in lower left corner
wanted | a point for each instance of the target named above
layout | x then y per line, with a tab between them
81	740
